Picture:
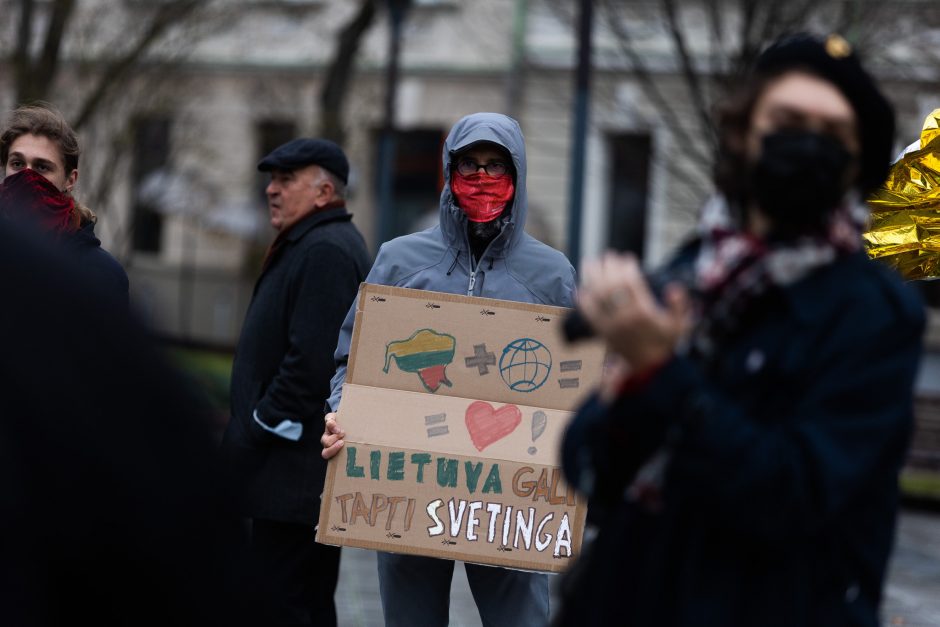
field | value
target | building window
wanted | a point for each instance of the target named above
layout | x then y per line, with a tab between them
271	134
416	186
151	154
629	188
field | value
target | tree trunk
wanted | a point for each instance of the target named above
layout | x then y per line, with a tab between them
339	72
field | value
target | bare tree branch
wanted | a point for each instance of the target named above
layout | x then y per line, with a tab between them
652	91
340	70
45	70
21	62
699	98
166	15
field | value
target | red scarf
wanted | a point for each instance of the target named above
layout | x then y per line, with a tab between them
481	196
29	196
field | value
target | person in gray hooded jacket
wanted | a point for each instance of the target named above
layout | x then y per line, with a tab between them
479	248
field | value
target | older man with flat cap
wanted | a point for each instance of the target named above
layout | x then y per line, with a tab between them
281	375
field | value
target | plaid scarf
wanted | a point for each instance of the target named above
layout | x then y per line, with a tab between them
732	270
735	268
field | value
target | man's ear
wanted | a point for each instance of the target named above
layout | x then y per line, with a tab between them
71	180
325	191
329	188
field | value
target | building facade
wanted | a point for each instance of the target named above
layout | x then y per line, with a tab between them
171	160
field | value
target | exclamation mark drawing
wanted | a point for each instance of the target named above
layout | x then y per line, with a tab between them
539	421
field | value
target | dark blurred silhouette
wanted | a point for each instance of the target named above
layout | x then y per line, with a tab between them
110	513
742	464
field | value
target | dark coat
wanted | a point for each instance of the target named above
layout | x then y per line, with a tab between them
778	505
100	267
284	362
97	428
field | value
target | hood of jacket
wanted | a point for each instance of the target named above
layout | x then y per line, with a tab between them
503	131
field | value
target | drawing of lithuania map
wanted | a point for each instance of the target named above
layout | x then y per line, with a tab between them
426	353
454	409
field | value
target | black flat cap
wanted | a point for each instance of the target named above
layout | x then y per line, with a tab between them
832	59
304	151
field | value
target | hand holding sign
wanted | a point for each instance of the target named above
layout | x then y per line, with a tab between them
431	459
332	439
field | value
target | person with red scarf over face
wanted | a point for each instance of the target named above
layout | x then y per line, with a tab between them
479	248
39	154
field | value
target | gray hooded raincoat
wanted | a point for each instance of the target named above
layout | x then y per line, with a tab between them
515	266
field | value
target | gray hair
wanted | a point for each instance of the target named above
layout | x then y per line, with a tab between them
339	188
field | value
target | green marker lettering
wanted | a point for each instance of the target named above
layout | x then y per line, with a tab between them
493	482
446	472
473	475
396	466
422	460
352	470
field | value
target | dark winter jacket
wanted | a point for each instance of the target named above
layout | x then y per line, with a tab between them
778	504
100	267
284	362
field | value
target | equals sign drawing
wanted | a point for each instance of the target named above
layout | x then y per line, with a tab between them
377	299
487	312
542	319
573	365
435	426
432	306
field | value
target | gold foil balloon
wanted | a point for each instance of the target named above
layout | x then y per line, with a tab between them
905	218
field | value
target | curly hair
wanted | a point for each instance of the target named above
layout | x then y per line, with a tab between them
44	120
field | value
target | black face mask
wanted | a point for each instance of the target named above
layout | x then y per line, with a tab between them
799	179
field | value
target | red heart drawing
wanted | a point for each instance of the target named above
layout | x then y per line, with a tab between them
487	425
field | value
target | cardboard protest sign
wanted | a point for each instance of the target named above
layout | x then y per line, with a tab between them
454	409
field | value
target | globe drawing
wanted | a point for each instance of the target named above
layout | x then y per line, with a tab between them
525	364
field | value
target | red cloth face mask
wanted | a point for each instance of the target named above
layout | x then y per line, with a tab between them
29	196
481	196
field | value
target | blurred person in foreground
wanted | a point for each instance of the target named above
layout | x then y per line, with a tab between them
479	248
111	513
282	370
743	466
39	154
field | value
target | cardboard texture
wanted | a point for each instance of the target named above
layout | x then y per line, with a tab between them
454	409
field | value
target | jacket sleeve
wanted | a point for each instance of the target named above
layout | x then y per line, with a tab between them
850	426
322	287
377	275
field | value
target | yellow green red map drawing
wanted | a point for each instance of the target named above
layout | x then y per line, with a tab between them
426	353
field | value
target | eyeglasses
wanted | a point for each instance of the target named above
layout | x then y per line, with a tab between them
467	166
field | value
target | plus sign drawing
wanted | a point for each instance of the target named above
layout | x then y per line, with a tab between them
481	359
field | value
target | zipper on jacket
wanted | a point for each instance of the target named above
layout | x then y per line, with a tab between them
473	270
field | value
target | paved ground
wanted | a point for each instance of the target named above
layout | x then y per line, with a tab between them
913	591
